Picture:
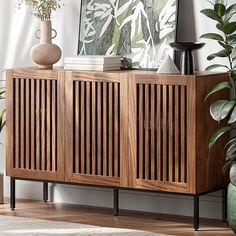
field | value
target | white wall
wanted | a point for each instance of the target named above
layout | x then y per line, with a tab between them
14	51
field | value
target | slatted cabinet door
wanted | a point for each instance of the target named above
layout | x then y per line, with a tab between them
93	128
159	132
35	124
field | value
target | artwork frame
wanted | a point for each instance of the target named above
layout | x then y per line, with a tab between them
91	7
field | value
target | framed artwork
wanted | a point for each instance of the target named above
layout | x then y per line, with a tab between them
138	30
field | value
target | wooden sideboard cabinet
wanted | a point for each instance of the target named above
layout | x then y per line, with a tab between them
119	129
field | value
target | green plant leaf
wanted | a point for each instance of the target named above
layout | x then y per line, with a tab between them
231	157
230	153
218	134
219	9
220	27
215	66
212	67
233	74
232	39
221	109
212	36
232	140
229	28
232	118
232	173
230	11
211	14
222	53
225	46
218	87
226	168
2	120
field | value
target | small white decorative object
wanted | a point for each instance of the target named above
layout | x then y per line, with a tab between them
168	67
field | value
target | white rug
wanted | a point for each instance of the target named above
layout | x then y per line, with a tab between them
11	225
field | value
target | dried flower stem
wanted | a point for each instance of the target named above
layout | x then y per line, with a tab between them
42	9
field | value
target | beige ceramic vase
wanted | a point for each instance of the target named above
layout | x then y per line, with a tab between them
45	54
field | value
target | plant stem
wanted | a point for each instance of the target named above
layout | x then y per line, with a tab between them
231	66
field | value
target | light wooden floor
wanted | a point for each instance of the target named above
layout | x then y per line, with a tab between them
173	225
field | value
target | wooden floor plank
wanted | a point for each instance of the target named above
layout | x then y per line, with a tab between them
159	223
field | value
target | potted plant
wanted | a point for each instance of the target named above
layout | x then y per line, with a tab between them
222	13
2	125
45	54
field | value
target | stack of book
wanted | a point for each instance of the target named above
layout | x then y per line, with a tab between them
100	63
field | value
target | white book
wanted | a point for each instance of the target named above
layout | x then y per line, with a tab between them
93	59
91	67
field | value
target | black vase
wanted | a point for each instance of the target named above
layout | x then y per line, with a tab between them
187	60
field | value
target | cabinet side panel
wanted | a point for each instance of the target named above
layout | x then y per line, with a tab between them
209	162
191	134
69	127
124	108
10	122
60	163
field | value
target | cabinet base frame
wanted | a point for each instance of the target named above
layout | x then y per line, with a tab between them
116	197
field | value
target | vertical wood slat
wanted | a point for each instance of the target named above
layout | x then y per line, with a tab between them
105	129
177	111
82	130
48	129
146	144
77	131
171	137
153	144
42	133
17	123
159	132
93	128
99	129
165	134
110	129
141	129
27	124
116	129
32	128
183	134
54	125
38	142
88	129
22	123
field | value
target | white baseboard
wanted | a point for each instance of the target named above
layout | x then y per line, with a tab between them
210	205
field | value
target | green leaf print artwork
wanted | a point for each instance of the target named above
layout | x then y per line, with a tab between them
139	30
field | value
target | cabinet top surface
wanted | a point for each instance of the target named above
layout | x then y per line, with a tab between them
135	72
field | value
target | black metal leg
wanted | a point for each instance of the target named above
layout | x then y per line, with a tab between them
196	213
45	191
116	202
13	194
224	204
